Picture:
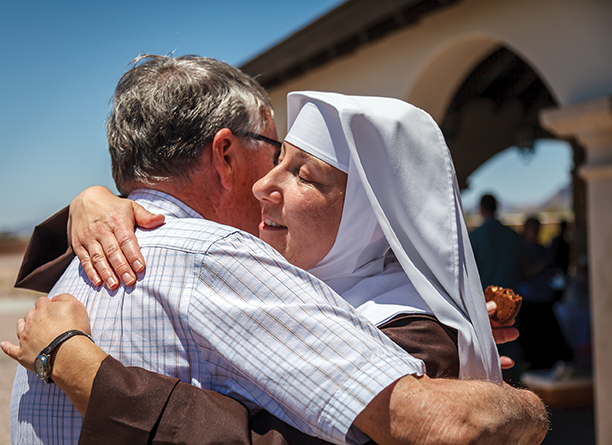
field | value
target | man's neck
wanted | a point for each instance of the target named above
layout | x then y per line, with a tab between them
488	216
197	198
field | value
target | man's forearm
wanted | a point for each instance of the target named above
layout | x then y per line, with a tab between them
482	412
442	411
74	369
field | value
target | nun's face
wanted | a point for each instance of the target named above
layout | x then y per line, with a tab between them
301	206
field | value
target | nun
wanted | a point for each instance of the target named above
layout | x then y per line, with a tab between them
365	197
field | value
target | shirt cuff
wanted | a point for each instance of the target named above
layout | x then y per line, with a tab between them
357	392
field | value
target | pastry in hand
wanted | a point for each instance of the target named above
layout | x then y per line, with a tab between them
508	303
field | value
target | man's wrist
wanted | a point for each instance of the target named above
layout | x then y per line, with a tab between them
75	365
43	362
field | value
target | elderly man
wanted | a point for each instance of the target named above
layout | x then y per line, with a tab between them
220	309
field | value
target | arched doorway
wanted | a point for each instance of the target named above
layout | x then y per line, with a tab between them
497	106
526	183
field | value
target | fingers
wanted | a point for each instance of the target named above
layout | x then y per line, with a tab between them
491	307
113	243
78	230
10	349
145	219
506	362
41	302
20	327
131	251
100	253
102	233
128	260
129	242
121	256
93	214
94	263
29	314
43	323
502	332
505	335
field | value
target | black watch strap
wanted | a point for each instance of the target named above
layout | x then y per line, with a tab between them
62	338
42	364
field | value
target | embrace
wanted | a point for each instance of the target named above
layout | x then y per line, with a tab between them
356	316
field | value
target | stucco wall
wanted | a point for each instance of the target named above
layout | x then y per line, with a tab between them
567	42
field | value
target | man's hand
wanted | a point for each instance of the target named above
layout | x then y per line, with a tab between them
101	232
42	324
502	333
75	362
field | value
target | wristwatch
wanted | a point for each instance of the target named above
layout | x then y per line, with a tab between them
42	363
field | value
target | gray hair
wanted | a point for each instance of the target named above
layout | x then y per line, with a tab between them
165	110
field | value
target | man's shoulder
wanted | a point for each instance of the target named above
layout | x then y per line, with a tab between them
490	226
201	236
191	234
510	233
476	234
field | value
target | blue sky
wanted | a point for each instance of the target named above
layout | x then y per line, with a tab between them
62	60
518	180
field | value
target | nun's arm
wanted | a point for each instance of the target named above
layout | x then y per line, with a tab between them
99	228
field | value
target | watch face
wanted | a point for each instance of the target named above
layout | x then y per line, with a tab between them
40	365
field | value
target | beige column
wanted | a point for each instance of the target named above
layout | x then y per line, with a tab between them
590	123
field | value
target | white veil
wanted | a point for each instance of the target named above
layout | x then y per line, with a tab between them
402	192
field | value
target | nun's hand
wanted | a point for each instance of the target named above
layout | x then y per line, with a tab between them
101	232
502	333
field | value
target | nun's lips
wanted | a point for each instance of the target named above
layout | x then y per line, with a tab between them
268	224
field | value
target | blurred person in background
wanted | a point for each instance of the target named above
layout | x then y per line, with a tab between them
559	261
498	251
541	337
497	248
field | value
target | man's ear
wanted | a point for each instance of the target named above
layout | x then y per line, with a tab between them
225	148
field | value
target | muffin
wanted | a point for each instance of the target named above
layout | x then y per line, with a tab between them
508	303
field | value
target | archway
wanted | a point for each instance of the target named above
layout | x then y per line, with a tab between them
495	104
526	183
496	107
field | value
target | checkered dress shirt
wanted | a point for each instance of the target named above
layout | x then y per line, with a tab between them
224	311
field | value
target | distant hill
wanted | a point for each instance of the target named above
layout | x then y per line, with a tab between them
555	208
12	246
558	202
22	230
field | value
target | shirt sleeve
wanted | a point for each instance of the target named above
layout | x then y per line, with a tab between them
286	342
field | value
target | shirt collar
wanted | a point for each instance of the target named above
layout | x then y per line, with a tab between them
156	201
